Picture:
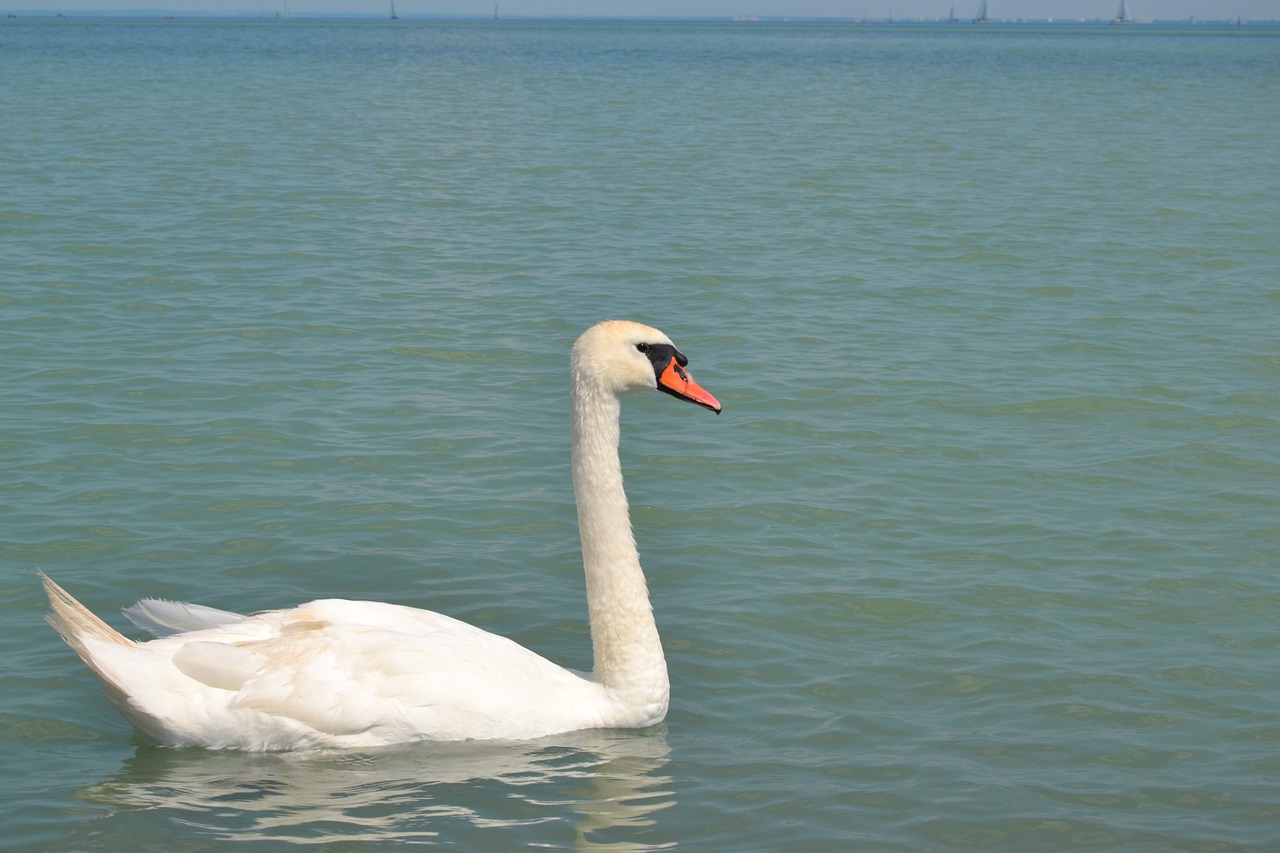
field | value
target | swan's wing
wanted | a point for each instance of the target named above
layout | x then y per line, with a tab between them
364	670
350	673
161	618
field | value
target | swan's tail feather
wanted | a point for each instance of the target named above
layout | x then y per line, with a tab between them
97	644
75	622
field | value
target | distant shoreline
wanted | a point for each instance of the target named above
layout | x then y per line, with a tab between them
246	15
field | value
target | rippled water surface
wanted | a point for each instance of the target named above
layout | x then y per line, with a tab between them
982	553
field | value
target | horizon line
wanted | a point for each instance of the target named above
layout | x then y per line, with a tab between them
154	11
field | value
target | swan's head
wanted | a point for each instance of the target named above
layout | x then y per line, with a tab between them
619	356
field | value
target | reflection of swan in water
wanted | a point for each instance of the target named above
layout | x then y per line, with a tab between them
580	790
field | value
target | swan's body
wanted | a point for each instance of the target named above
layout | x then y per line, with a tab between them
337	673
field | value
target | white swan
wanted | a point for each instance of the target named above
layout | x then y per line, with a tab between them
337	673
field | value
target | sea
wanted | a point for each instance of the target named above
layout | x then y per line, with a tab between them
983	553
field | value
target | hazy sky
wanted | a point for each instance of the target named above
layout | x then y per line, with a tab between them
1058	9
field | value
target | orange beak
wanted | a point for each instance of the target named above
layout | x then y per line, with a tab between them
676	381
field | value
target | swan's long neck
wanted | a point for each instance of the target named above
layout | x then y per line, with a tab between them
628	653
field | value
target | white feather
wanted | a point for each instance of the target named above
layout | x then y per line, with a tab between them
160	618
220	665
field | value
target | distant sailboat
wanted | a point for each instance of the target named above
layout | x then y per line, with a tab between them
495	11
1122	14
394	16
952	18
982	14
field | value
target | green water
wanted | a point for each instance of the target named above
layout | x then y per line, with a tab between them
981	554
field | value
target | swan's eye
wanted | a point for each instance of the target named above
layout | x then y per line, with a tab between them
642	347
